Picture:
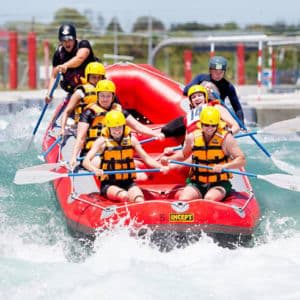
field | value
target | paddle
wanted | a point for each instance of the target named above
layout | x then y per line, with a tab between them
55	84
283	127
280	164
44	154
141	142
239	135
242	125
44	167
52	166
148	140
40	176
285	181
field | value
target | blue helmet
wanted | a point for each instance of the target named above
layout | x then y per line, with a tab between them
67	32
218	63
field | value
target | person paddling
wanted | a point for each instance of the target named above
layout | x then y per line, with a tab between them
92	120
210	145
116	147
84	94
70	60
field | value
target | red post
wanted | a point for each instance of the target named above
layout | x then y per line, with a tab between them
31	42
46	62
13	59
187	65
240	63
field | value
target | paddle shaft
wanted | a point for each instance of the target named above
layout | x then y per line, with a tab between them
210	168
55	84
148	140
243	126
114	172
80	158
44	154
236	136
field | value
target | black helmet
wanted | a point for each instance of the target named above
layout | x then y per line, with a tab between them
67	32
218	63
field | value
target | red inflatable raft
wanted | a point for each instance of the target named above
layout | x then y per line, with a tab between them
149	93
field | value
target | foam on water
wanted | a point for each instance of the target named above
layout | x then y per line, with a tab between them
40	260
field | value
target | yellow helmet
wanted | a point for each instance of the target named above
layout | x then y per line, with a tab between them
197	88
95	68
210	115
105	86
114	118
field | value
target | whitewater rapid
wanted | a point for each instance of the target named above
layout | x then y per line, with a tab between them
40	260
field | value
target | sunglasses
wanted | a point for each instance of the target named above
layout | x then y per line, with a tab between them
209	125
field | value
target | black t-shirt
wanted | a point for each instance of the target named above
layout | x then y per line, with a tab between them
72	77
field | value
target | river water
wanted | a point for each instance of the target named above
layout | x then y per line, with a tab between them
40	260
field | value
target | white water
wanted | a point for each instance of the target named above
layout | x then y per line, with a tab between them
40	260
123	267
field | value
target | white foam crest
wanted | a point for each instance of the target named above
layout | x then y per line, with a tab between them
3	124
123	267
286	159
21	124
31	242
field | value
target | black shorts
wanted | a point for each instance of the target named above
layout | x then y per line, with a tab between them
204	187
123	184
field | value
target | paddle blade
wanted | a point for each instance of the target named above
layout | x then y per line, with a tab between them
29	177
284	181
283	127
44	167
286	167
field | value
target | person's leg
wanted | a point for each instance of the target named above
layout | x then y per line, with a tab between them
218	191
190	192
135	194
116	193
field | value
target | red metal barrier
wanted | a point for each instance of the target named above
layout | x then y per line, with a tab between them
13	59
240	64
46	62
31	41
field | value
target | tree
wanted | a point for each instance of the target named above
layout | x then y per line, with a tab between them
71	15
230	26
114	25
142	24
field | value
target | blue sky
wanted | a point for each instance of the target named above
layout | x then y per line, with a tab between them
127	11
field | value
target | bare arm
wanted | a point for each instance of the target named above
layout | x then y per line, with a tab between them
144	155
80	140
139	127
232	149
98	147
69	109
183	154
75	61
228	119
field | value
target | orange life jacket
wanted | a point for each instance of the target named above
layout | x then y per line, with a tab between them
118	155
94	130
209	155
90	97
